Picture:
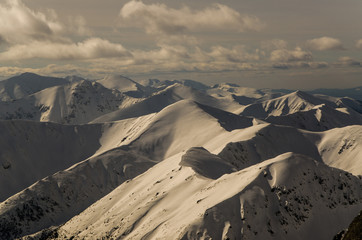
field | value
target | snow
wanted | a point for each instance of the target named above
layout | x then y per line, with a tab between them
75	103
175	160
26	84
287	104
173	202
123	84
342	148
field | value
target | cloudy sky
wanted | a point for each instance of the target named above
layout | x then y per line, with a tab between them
257	43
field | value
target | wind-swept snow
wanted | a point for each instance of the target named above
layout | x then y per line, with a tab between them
342	148
75	103
141	143
124	85
287	104
175	159
164	98
31	151
284	197
26	84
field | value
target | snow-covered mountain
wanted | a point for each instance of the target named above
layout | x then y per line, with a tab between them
355	93
287	104
165	97
26	84
124	85
305	111
157	84
287	197
31	151
115	159
319	118
135	149
75	103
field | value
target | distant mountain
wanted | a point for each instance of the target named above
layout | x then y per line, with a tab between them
356	105
284	105
163	98
75	103
305	111
26	84
124	85
155	83
117	159
320	118
355	93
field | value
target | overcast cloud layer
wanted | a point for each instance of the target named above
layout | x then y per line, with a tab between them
198	40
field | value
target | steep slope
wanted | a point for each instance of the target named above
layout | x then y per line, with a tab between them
157	84
59	197
30	151
140	145
124	85
75	103
26	84
319	118
282	198
182	125
164	98
354	230
342	148
244	95
287	104
356	105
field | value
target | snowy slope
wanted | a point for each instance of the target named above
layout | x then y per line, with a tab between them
356	105
287	104
26	84
320	118
282	198
140	145
124	85
165	97
157	84
75	103
31	151
175	160
244	95
342	148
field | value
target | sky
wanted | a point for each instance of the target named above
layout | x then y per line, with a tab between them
295	44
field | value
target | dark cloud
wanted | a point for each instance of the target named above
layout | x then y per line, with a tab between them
348	61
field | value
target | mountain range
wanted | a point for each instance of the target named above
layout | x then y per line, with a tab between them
177	159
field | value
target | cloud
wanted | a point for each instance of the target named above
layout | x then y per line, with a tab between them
289	65
235	54
324	44
178	58
284	55
160	19
348	61
18	23
359	44
78	25
91	48
274	44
